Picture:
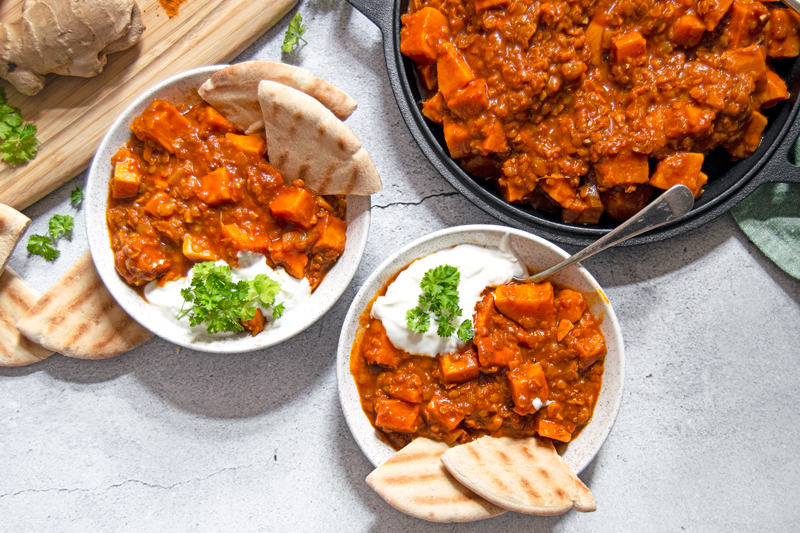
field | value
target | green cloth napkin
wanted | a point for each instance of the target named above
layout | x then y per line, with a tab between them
770	217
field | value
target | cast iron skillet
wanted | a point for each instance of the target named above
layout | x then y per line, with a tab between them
729	183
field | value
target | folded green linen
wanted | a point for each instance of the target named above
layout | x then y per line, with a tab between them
770	217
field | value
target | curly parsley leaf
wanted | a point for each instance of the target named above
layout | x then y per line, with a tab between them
42	245
76	197
222	304
10	120
295	32
61	226
418	320
440	298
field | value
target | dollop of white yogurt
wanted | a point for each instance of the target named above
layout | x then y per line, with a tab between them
168	301
479	268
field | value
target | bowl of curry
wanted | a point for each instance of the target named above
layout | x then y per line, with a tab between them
175	185
568	117
544	359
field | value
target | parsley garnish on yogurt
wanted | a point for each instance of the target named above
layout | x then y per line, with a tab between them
439	298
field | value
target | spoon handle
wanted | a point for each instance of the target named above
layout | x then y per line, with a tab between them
674	203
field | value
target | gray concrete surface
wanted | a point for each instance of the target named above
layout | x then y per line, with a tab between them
156	440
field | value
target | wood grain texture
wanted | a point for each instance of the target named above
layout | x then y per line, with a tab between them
73	114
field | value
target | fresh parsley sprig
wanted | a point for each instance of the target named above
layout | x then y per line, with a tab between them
44	245
439	297
296	31
222	304
19	143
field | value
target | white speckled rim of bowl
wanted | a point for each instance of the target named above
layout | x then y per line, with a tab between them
539	254
293	321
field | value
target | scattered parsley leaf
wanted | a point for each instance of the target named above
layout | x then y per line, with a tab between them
295	32
42	245
465	331
418	320
439	297
61	226
222	304
76	197
20	144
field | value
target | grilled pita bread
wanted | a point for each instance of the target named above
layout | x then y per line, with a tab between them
79	318
12	226
233	91
414	482
16	298
523	475
306	141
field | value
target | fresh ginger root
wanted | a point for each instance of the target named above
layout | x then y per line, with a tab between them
68	37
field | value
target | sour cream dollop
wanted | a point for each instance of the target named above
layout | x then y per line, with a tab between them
479	268
168	301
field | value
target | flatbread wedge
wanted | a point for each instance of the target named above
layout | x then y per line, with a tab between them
523	475
12	225
233	91
16	298
306	141
78	317
414	482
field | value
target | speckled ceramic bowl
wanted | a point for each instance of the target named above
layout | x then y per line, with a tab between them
539	254
293	321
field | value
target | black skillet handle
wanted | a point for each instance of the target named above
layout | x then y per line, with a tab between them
779	168
378	11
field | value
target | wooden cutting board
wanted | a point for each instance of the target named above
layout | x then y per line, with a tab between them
73	114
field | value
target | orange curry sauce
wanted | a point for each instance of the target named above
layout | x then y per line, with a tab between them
586	106
189	187
532	341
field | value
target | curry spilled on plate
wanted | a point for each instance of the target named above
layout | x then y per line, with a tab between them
201	223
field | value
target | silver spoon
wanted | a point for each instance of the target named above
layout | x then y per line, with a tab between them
674	203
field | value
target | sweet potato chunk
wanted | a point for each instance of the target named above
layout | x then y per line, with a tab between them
434	108
405	385
680	168
378	349
197	248
588	342
215	187
562	191
628	47
441	411
748	61
248	144
332	236
622	169
784	33
529	304
295	205
126	178
421	34
459	367
552	427
747	19
471	100
215	120
622	204
528	383
256	325
457	136
397	415
749	142
495	352
162	123
243	239
687	31
161	205
452	69
564	327
427	74
570	305
494	138
775	91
